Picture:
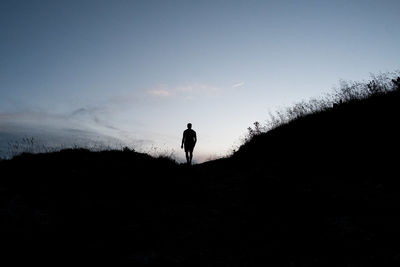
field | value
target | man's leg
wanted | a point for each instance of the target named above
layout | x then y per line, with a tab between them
191	156
187	157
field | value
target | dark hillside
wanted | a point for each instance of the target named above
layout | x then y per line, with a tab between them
359	136
322	190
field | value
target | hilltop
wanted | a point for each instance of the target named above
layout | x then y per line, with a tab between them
320	190
356	136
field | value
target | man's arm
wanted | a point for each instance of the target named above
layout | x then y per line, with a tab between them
183	139
194	139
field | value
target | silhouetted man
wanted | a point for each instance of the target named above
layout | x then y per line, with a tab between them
189	140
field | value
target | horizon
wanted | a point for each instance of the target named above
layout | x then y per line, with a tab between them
134	73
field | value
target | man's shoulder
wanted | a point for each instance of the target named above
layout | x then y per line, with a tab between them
189	131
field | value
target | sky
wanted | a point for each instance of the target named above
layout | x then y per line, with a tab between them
134	73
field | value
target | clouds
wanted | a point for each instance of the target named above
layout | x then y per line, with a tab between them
49	136
81	127
239	84
36	121
185	90
113	122
190	90
89	115
79	111
159	92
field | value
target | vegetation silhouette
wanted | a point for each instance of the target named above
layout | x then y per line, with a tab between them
317	189
189	140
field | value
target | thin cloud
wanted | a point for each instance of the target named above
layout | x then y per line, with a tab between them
159	92
80	127
186	91
79	111
236	85
88	111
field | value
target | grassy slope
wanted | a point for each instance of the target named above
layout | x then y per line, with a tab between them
361	132
320	191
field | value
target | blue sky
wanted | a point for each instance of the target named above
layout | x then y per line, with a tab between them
136	72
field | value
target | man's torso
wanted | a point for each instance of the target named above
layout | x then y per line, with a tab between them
189	135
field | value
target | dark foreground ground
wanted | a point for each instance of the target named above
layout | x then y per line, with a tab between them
80	207
321	191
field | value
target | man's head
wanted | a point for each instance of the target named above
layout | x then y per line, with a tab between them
189	125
